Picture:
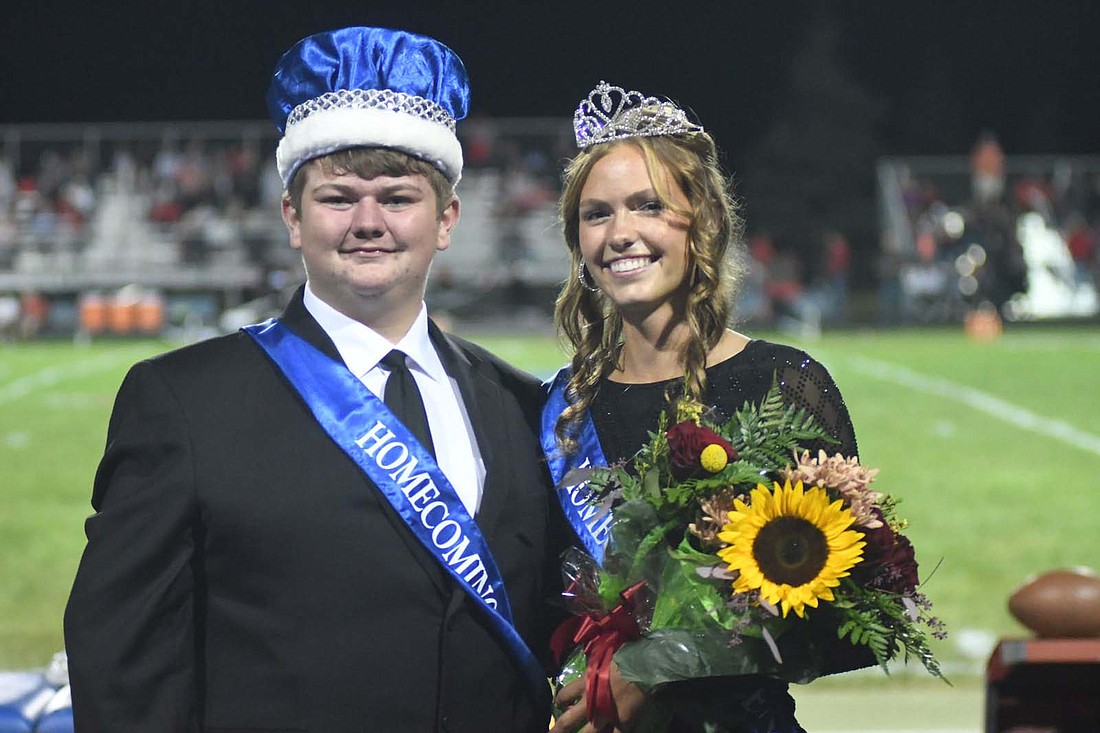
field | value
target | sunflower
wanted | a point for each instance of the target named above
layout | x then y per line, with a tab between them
792	546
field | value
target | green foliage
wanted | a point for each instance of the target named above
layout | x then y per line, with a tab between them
653	457
766	435
692	596
694	600
889	505
763	435
883	624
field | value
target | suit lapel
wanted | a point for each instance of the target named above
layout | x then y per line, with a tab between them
298	319
483	398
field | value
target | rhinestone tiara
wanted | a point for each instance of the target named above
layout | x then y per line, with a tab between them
613	113
387	99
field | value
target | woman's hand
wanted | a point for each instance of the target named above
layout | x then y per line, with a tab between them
629	703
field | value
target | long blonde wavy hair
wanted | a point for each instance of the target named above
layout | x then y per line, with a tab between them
588	321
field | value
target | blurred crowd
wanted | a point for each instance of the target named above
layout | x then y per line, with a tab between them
1020	241
83	225
195	193
1017	237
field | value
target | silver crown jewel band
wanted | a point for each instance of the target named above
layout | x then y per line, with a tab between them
387	99
613	113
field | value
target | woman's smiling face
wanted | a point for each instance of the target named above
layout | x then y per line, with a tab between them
634	245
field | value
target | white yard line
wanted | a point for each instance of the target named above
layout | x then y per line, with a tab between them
994	406
897	730
53	375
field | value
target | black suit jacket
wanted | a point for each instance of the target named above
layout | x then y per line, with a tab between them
242	574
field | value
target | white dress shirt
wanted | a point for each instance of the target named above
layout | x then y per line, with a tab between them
362	350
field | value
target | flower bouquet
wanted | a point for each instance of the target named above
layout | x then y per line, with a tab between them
734	551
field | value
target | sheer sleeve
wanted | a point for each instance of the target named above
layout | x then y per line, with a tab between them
808	384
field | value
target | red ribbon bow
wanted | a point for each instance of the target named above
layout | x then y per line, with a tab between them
601	636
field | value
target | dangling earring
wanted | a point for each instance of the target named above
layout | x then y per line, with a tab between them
582	276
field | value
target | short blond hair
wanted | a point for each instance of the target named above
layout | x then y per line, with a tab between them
369	162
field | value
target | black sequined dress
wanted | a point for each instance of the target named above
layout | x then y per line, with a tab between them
625	413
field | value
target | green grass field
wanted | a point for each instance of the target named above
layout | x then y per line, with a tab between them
994	449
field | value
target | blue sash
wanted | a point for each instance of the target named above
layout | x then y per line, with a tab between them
591	522
403	470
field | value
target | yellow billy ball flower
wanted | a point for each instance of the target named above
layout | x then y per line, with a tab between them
713	458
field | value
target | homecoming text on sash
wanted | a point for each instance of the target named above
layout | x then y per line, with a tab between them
404	472
590	522
388	453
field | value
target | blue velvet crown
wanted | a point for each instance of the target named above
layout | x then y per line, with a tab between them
369	87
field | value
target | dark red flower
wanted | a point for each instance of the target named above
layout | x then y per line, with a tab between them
888	561
686	442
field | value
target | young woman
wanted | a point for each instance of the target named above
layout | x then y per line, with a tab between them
650	222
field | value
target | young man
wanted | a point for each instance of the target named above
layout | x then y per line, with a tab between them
336	520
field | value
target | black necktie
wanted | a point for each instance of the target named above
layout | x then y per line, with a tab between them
403	398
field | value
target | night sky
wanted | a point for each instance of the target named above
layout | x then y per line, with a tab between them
938	72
